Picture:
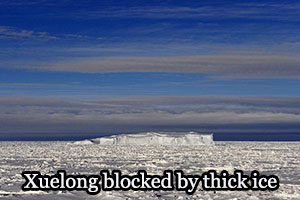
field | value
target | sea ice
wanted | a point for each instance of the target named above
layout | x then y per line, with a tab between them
279	158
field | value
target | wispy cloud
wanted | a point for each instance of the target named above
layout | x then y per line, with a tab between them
198	10
229	65
7	32
12	33
29	84
165	10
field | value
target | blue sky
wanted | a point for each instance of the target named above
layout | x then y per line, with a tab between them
80	51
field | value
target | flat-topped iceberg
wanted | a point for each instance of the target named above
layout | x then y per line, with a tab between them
154	138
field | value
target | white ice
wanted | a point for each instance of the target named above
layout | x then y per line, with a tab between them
154	138
279	158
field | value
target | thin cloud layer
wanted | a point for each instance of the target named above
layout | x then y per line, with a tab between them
236	65
163	10
227	114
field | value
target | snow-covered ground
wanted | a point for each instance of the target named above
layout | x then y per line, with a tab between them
281	159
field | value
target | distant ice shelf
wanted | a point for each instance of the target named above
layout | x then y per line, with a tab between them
154	138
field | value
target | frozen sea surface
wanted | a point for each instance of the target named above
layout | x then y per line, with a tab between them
279	158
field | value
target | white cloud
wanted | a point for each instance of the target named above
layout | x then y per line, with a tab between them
7	32
12	33
229	65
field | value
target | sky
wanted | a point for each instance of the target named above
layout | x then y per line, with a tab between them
83	69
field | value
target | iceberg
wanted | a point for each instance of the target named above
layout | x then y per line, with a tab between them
155	138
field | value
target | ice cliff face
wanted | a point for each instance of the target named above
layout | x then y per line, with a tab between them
154	138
